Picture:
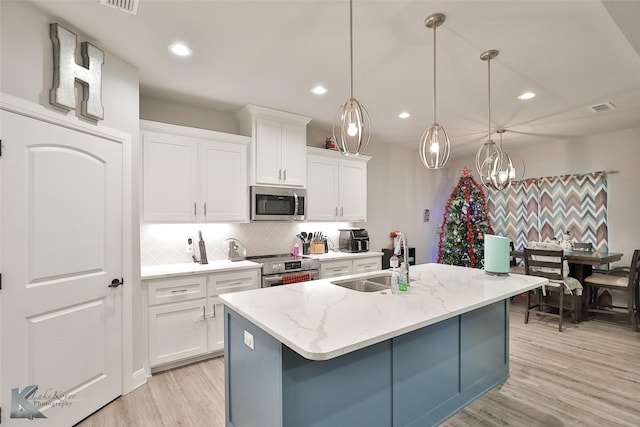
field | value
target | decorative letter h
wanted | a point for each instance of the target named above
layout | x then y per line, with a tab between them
66	71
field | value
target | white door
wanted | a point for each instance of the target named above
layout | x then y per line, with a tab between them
61	228
294	155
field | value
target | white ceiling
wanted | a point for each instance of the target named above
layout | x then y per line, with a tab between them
573	54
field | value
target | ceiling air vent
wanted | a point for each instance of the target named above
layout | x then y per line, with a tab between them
128	6
600	108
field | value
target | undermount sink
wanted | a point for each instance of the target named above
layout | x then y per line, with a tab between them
379	282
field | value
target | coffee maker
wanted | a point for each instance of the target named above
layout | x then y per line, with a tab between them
353	240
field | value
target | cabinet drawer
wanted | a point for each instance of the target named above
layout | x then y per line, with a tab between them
335	269
236	281
176	289
367	264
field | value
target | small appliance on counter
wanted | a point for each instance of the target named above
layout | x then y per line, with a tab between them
353	240
496	255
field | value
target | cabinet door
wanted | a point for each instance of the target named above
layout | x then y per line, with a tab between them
268	144
322	188
335	268
294	155
169	178
215	324
364	265
353	191
177	331
223	182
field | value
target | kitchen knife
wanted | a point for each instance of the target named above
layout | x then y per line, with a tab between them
203	250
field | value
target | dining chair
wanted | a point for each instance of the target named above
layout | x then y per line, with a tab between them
513	262
629	282
550	264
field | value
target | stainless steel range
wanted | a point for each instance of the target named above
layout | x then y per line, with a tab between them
284	269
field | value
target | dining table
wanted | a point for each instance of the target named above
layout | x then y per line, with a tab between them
581	265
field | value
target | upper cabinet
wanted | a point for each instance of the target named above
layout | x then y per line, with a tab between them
193	174
336	186
277	155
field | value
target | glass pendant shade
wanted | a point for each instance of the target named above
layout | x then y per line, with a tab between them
488	163
434	144
351	125
352	128
434	147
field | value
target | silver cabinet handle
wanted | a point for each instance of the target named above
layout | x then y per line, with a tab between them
279	174
195	210
175	291
214	311
205	209
204	312
284	178
341	211
335	212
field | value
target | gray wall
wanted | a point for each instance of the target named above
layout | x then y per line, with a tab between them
26	72
400	188
618	151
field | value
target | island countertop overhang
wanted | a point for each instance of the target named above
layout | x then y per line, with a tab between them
320	320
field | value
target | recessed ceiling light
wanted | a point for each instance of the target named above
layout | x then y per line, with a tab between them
319	90
404	115
180	49
526	95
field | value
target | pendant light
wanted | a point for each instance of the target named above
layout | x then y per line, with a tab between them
489	155
434	143
501	180
351	125
512	170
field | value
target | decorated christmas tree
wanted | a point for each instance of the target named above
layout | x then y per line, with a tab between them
465	222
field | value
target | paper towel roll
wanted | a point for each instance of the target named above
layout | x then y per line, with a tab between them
496	254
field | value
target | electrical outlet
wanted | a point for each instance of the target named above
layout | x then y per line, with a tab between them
248	340
189	247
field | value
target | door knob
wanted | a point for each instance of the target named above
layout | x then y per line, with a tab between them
115	283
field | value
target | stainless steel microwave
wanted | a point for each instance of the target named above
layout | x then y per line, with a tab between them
278	204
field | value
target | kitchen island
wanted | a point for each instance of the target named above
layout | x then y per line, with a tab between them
317	354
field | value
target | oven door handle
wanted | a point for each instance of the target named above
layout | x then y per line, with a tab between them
270	280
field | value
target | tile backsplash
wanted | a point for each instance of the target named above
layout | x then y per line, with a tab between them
167	243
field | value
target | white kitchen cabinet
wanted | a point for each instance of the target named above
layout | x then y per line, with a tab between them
355	265
364	265
278	146
185	317
336	186
193	174
223	283
176	318
335	268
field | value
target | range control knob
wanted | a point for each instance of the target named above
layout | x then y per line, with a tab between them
278	267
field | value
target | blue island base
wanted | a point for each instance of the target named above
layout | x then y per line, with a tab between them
417	379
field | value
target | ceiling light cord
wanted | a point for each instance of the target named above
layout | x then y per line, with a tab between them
351	46
434	74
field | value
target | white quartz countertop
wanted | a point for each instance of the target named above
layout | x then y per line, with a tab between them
331	255
185	269
320	320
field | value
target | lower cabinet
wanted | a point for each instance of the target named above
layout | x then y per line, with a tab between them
344	267
185	315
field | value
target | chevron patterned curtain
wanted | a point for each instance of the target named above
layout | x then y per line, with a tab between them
514	213
545	208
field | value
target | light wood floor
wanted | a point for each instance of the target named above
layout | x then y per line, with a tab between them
588	375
